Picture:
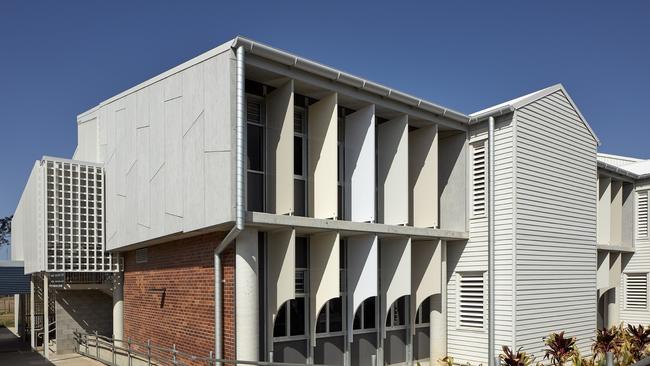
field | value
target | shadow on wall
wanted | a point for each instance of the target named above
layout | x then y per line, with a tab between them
83	310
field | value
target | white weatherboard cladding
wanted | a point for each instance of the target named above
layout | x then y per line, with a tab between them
470	345
556	224
246	295
322	135
426	260
393	171
167	153
324	275
360	165
279	111
395	257
281	272
423	176
362	257
638	263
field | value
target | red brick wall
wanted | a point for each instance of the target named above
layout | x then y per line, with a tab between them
184	316
228	264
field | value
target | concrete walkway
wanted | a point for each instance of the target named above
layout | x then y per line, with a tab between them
14	352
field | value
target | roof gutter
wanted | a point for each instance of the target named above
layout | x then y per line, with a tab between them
495	113
621	171
329	73
239	206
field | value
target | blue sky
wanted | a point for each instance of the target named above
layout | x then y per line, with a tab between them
58	59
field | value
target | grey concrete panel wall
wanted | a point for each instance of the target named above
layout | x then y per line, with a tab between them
82	310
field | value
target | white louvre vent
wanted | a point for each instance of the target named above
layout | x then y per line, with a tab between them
75	218
642	214
636	290
479	178
471	300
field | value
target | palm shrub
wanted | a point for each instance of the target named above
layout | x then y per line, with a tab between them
608	340
511	358
637	340
559	349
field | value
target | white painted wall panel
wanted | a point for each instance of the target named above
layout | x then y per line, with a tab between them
616	213
604	209
193	176
395	257
423	176
324	275
322	155
167	153
281	272
362	281
87	141
143	181
279	112
360	165
173	157
426	260
392	171
27	239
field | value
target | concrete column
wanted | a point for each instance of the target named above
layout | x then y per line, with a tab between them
46	316
118	306
17	317
246	296
438	327
32	309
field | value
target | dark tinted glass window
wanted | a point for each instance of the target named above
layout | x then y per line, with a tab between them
297	316
255	148
336	315
321	322
369	313
356	324
297	156
302	256
280	326
300	207
255	190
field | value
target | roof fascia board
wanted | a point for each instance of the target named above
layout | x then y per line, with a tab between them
614	169
358	93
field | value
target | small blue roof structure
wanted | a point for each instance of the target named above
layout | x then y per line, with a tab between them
13	279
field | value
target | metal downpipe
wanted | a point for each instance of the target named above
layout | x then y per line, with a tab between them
239	206
492	361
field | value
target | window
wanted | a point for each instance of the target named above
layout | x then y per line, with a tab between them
300	159
341	162
642	214
255	152
423	316
291	320
479	178
397	313
365	315
636	290
471	300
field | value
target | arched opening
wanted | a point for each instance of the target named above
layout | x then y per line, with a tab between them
364	333
397	328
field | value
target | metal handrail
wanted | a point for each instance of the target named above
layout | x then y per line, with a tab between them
154	354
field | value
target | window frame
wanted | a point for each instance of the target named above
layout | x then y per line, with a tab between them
637	210
262	126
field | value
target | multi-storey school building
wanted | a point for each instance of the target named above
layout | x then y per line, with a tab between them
261	206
